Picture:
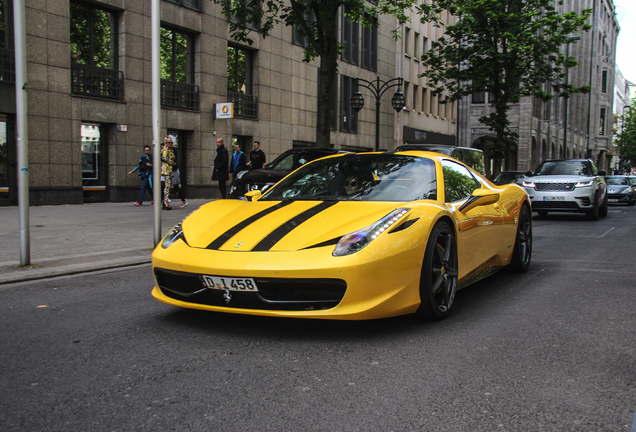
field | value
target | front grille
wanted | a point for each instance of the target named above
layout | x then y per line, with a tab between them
273	294
554	186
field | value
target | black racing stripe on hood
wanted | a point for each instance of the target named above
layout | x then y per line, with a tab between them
223	238
275	236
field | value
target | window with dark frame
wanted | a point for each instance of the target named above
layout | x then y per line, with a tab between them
370	47
601	130
246	20
350	40
604	82
177	69
190	4
299	37
7	54
479	97
240	66
94	52
348	116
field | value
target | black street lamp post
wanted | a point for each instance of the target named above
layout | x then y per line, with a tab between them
378	88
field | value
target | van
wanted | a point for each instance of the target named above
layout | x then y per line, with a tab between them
472	157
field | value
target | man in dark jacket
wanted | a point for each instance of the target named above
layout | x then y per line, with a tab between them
144	166
220	169
257	157
238	161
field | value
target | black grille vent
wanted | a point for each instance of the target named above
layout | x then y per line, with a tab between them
554	186
273	294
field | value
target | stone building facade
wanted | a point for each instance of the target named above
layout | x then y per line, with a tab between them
89	65
544	130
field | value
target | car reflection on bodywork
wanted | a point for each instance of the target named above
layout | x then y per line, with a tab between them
273	172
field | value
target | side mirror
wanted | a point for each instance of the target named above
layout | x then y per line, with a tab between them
602	172
253	195
479	197
529	173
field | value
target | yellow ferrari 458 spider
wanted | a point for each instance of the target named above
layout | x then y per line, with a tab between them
349	236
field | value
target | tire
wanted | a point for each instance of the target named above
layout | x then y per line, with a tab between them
604	209
632	202
594	213
522	252
438	281
542	213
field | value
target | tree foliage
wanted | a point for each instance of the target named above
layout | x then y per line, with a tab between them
317	21
627	140
91	36
508	48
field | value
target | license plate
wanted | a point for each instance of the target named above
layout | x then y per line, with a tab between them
553	198
612	200
230	284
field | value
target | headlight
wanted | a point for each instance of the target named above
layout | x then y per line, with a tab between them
175	234
586	183
357	240
528	184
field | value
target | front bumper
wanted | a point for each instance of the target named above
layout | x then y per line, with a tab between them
578	200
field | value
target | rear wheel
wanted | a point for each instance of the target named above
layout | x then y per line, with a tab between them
438	281
522	252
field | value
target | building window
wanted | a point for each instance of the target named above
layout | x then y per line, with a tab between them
350	40
601	130
604	82
479	97
424	93
441	110
407	37
407	96
348	116
191	4
94	52
299	37
239	82
249	12
177	70
7	55
370	47
416	91
416	46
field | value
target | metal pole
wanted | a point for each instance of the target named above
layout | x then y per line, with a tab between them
156	117
22	130
377	123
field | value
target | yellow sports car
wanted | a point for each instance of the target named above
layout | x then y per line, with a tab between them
349	236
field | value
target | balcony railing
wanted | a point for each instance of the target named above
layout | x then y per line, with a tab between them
7	65
245	105
98	82
179	95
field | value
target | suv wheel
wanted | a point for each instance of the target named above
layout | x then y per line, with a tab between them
594	213
603	211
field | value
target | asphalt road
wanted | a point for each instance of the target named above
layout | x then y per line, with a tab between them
553	349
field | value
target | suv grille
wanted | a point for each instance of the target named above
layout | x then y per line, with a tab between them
555	186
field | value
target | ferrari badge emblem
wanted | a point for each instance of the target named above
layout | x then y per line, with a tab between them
227	296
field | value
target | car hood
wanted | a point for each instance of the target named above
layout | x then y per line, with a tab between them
617	188
243	226
558	178
263	176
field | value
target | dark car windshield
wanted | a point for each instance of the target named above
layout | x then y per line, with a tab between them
623	181
360	177
292	160
573	167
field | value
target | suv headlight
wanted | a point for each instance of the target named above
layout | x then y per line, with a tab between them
586	183
528	184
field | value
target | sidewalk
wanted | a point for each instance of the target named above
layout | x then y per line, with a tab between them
69	239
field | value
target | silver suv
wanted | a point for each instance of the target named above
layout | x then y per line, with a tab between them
570	185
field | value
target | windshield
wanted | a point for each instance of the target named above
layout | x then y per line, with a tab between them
360	177
565	168
617	181
292	160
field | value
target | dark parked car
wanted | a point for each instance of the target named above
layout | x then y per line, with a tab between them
506	177
274	171
621	189
472	157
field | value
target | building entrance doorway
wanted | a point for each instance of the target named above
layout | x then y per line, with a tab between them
94	162
8	161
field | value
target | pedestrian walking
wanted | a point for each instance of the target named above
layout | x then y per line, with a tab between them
144	167
167	162
220	169
176	183
239	161
257	157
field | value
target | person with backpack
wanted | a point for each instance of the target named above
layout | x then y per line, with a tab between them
144	167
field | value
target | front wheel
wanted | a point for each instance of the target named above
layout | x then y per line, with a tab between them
438	281
604	210
522	252
594	213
